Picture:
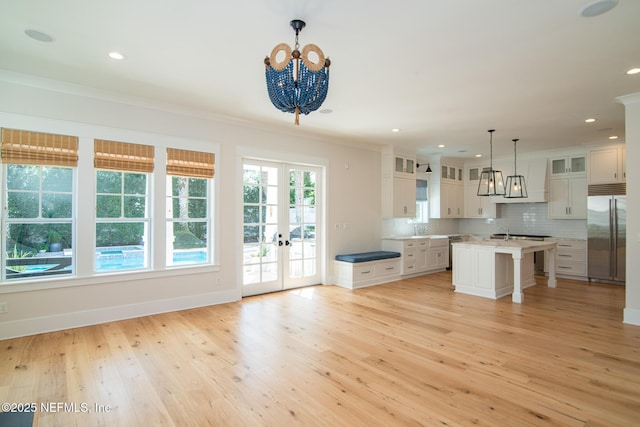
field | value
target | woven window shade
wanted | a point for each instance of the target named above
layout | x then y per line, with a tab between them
35	148
122	156
190	163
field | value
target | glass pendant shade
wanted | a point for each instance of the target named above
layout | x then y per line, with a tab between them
491	182
516	187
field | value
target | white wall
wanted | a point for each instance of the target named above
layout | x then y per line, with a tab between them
632	124
353	212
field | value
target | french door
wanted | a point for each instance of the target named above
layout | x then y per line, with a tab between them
282	217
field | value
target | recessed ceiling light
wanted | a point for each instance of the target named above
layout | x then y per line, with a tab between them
478	155
395	130
597	7
590	120
117	56
441	146
633	71
39	36
613	137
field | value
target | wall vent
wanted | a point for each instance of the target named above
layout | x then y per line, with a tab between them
618	189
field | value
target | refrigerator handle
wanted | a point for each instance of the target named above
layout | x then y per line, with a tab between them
612	246
614	252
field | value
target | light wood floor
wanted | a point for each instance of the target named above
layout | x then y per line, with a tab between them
406	353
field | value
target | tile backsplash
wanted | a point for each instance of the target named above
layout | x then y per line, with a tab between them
519	218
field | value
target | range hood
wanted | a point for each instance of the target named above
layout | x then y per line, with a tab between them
535	174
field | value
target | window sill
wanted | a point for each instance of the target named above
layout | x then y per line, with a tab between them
28	285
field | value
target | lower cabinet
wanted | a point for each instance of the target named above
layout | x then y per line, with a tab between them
438	254
571	258
420	255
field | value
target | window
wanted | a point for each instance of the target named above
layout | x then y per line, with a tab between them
188	218
38	225
422	202
122	205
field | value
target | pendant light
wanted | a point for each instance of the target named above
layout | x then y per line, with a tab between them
515	186
491	182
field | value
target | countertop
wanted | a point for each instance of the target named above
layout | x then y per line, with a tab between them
514	244
426	236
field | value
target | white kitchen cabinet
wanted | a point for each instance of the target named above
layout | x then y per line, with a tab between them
451	200
477	206
568	166
404	166
420	255
571	257
451	173
398	197
607	165
398	185
446	190
473	174
567	198
437	254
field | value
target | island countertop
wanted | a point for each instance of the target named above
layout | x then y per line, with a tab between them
510	245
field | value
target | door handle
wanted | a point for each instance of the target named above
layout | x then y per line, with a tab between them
287	243
279	242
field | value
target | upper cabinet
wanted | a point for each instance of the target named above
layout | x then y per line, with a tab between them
451	173
568	198
607	165
404	166
568	166
398	184
446	197
568	187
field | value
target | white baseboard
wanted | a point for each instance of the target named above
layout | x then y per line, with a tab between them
631	316
25	327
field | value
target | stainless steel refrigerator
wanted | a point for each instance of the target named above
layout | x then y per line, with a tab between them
607	229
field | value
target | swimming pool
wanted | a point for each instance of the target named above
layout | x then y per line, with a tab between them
133	257
107	259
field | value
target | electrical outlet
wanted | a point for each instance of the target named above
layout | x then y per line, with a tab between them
4	307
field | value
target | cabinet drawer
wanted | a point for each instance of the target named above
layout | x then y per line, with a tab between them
410	244
409	267
388	268
571	255
438	242
572	244
571	268
362	272
409	256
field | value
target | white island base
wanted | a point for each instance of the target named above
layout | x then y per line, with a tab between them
496	268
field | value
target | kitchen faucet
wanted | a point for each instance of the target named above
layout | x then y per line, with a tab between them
506	230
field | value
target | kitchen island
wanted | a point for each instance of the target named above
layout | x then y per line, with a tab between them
495	268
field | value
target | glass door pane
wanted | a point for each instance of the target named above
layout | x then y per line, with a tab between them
261	255
302	225
578	164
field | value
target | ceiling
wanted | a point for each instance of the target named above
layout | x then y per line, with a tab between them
443	72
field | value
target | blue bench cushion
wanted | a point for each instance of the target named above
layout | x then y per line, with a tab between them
368	256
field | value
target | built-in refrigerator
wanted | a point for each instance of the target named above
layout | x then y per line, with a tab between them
606	244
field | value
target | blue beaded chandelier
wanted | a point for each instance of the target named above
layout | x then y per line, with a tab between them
297	84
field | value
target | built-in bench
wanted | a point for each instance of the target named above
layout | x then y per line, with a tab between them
367	268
